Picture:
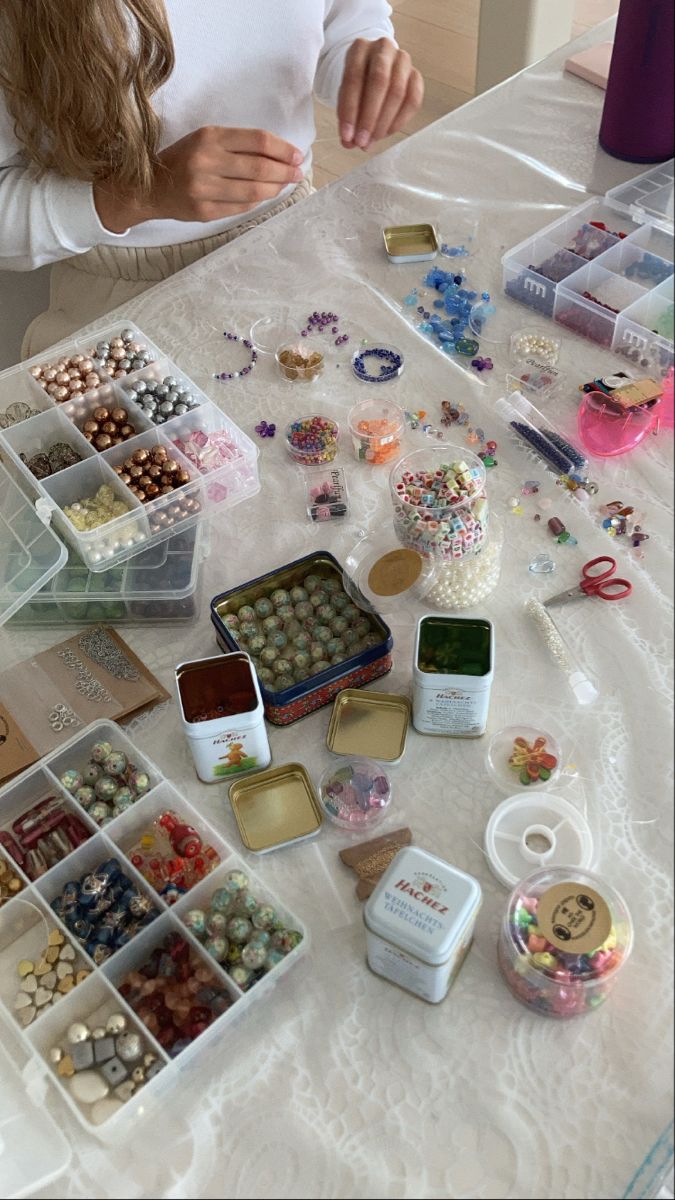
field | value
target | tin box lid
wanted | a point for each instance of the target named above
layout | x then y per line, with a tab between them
276	807
369	724
410	242
422	905
30	553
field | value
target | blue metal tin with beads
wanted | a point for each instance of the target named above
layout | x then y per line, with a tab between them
321	643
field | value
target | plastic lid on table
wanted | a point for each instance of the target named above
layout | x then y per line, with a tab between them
383	576
533	830
30	553
33	1150
648	198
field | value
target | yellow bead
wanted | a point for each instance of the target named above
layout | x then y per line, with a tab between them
544	960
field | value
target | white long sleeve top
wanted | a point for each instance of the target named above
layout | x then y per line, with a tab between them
254	64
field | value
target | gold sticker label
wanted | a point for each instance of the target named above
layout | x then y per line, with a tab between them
574	918
395	572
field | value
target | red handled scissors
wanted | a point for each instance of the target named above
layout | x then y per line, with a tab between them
603	583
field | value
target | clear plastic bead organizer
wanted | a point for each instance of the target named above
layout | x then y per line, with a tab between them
31	421
629	279
26	918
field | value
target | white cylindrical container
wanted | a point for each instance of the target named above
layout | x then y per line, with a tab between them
453	670
419	923
223	717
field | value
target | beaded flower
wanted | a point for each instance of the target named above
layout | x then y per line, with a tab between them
532	762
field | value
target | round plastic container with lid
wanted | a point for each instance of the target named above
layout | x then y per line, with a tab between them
440	505
565	936
523	754
299	364
355	794
533	830
376	427
466	581
312	440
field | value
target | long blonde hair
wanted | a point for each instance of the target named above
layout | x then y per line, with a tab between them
78	76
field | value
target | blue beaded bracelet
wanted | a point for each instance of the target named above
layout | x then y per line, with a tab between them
390	363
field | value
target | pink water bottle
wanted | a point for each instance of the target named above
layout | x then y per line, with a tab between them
637	120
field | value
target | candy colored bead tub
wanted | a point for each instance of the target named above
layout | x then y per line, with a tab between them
216	460
23	928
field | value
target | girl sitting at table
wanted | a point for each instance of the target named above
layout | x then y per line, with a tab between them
137	136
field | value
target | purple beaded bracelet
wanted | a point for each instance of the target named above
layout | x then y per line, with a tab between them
225	375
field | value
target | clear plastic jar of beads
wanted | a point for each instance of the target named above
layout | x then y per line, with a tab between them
466	581
565	936
440	505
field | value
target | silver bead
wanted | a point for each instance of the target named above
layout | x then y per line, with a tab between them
128	335
161	391
166	408
131	393
116	1024
179	409
129	1047
170	382
140	387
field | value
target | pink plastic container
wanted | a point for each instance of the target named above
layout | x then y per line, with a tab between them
605	431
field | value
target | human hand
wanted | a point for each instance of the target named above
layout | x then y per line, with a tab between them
379	93
211	173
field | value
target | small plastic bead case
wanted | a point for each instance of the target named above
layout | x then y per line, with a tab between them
606	270
161	584
219	458
34	940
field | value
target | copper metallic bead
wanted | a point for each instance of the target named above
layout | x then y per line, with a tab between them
77	359
86	365
165	489
160	454
109	371
182	477
62	377
76	385
134	347
125	477
151	490
135	471
101	414
60	393
109	427
117	352
159	520
42	384
119	416
74	372
91	427
89	437
35	371
92	380
119	374
102	441
49	374
117	343
154	471
144	480
127	431
50	388
141	456
171	466
128	463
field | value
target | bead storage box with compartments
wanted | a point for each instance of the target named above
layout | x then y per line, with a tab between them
605	271
152	936
135	454
161	584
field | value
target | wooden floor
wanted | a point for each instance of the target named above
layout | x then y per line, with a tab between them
442	38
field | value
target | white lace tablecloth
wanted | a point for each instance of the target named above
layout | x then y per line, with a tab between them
339	1084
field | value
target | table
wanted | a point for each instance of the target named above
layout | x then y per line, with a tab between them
340	1084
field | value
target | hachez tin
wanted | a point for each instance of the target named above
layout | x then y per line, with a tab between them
307	638
276	808
453	670
370	724
419	923
222	711
410	243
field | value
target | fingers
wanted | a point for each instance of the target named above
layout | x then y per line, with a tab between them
380	92
411	104
257	168
351	88
256	141
217	189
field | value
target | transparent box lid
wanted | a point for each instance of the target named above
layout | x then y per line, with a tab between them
648	199
30	553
